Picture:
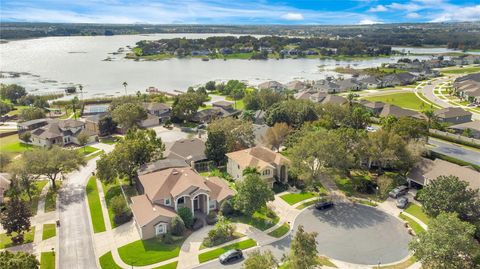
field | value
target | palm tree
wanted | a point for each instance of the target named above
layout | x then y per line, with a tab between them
350	98
80	87
430	114
125	84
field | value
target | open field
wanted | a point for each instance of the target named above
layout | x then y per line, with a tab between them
406	100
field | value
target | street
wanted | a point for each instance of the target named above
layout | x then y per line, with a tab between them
75	236
455	151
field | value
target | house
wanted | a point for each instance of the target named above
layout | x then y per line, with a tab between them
296	85
272	85
350	84
374	107
369	82
398	112
271	165
220	109
92	123
164	192
4	185
468	87
150	121
161	165
473	126
311	95
161	110
59	132
426	171
453	115
334	99
326	86
31	125
397	79
192	151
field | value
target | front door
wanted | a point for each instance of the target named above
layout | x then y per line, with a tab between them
196	204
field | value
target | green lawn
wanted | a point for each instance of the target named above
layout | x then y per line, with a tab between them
293	198
95	206
261	220
417	228
402	265
306	204
406	100
6	241
213	254
107	262
49	230
89	157
325	262
87	150
280	231
47	260
466	70
416	211
39	185
109	140
12	144
110	191
146	252
51	197
236	236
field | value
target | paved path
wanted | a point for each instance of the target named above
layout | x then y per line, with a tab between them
75	235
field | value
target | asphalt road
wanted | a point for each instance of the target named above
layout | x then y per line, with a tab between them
350	233
459	152
75	236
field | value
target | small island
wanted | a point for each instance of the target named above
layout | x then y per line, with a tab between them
253	48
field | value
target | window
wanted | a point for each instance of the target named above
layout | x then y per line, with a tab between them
167	201
161	228
181	200
266	172
212	204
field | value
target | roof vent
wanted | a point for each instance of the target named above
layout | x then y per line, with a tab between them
175	172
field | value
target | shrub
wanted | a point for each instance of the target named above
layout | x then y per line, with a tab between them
178	226
122	218
212	218
197	224
227	208
118	204
186	214
167	239
222	232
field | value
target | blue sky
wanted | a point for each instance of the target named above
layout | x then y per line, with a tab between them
240	11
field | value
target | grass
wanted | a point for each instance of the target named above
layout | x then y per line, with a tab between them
324	261
6	241
239	104
261	220
236	235
293	198
110	191
89	157
280	231
51	197
94	205
213	254
306	204
417	228
47	260
406	100
417	211
107	262
39	185
466	70
146	252
49	231
364	202
109	140
402	265
87	150
12	144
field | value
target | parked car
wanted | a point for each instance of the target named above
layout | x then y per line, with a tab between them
402	202
398	191
230	256
323	205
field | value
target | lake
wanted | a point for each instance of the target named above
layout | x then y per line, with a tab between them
49	64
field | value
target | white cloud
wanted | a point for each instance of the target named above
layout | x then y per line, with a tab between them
368	21
293	17
405	7
379	8
413	15
458	14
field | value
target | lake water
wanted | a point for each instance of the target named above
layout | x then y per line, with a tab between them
52	63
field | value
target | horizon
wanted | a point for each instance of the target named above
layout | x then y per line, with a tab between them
249	12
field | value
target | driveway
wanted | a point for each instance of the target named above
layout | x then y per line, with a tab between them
455	151
75	236
351	233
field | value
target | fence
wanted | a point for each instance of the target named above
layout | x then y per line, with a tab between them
455	137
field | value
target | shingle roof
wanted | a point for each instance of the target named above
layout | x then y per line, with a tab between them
192	149
219	189
334	99
156	106
393	110
259	157
145	212
161	165
474	125
451	112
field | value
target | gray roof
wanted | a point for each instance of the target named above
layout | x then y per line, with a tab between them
222	103
334	99
474	125
32	122
451	112
188	149
393	110
156	106
161	165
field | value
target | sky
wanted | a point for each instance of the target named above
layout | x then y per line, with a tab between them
240	11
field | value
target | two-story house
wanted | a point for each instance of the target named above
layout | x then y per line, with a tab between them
59	132
164	192
271	165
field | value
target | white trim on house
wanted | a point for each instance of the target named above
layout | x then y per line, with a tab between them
160	228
